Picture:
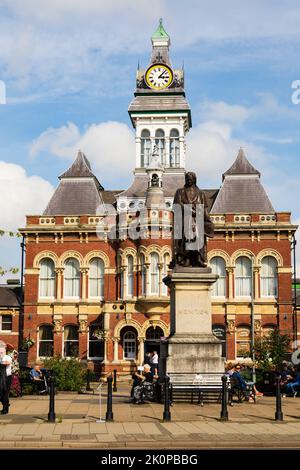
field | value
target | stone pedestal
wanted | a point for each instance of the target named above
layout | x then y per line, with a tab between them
191	347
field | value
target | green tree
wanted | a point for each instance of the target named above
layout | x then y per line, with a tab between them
271	350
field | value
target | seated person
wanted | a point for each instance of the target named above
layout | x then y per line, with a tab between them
143	379
247	389
293	385
37	377
240	382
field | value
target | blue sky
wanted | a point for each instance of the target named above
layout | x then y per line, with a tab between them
69	69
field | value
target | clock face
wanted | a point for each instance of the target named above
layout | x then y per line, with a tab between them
159	76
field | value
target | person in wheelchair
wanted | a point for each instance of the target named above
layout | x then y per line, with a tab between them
143	390
38	378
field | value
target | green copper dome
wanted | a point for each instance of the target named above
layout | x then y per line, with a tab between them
160	31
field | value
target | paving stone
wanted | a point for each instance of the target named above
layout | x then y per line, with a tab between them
132	428
149	428
81	428
98	428
105	438
63	428
27	429
115	428
173	428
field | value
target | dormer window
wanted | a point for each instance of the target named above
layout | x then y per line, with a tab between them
145	148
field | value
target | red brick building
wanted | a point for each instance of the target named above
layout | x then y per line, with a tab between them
101	297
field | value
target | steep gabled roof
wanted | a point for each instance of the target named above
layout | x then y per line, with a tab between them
241	166
80	168
79	191
241	190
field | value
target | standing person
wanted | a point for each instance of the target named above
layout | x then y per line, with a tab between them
148	358
6	362
15	377
154	363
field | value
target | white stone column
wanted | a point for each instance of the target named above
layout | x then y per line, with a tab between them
138	152
116	349
159	279
141	354
83	283
105	361
167	152
230	282
256	270
147	279
58	283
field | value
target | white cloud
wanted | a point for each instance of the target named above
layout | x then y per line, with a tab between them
61	45
224	112
20	194
212	148
109	146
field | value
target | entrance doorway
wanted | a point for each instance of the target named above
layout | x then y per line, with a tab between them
152	342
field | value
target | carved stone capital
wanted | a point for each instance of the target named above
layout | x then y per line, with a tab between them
230	326
83	326
57	326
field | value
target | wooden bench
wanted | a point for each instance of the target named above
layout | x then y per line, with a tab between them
201	385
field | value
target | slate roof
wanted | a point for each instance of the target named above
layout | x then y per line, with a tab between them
10	296
242	190
75	197
79	191
241	166
170	184
140	184
167	102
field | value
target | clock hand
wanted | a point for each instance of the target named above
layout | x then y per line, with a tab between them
162	74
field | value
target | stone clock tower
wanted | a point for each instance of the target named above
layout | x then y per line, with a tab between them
161	117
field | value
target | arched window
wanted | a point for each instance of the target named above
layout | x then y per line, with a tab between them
243	277
45	341
154	333
166	262
129	345
154	274
143	274
218	267
96	278
174	148
160	142
71	341
96	342
243	341
71	278
47	278
145	148
130	283
268	277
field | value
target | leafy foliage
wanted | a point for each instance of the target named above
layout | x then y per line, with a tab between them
69	373
271	350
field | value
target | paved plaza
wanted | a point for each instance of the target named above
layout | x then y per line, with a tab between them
250	425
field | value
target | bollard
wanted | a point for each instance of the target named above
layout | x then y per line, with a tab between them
115	381
167	414
51	414
224	411
278	412
88	380
109	412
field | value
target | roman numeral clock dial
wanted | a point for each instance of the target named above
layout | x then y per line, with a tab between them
158	77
